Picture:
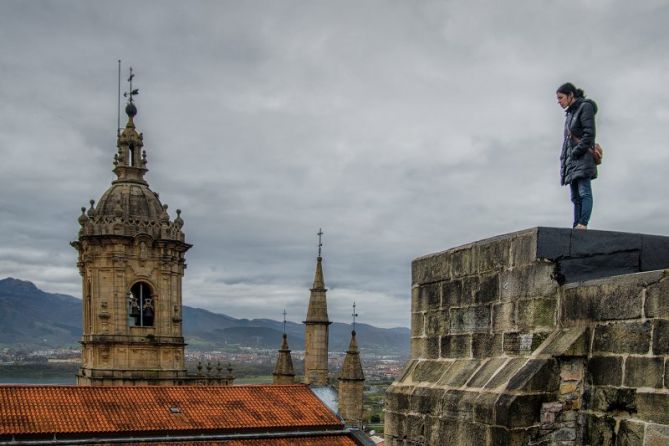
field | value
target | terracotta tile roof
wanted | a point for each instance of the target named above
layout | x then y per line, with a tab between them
38	410
325	440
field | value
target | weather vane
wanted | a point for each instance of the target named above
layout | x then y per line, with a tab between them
320	240
354	315
284	321
130	93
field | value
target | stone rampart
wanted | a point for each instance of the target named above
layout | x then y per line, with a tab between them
544	336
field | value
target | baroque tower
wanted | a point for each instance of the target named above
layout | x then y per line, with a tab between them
317	327
131	260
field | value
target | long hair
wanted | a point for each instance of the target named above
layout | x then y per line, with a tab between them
569	88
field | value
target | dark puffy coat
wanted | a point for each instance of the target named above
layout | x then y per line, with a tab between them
576	160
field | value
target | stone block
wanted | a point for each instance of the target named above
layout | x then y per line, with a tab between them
430	297
430	370
504	316
652	406
470	286
599	431
537	375
619	298
452	293
644	371
553	243
486	372
523	249
392	425
431	349
417	347
536	280
606	370
397	398
494	256
485	345
622	337
654	252
572	369
657	435
630	433
471	434
572	341
657	300
484	409
537	313
505	373
459	373
488	290
469	319
613	399
456	346
603	242
458	432
499	436
415	299
407	370
464	261
449	405
431	268
417	324
415	428
581	269
436	322
522	343
661	337
424	400
567	388
519	410
466	405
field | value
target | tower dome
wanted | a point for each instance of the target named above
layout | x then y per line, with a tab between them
129	207
133	202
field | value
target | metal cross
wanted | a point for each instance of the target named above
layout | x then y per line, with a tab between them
354	315
320	240
284	321
129	94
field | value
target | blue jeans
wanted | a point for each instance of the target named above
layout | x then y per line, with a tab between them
581	196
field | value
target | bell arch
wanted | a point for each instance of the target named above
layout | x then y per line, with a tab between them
141	304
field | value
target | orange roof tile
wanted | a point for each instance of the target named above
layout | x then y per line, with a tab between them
150	409
328	440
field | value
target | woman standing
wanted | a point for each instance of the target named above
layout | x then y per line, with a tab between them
577	165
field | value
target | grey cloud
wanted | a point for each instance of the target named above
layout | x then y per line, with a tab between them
401	128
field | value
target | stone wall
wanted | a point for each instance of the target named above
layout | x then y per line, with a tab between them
545	336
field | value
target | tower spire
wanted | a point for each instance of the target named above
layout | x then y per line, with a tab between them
319	282
283	370
130	160
354	316
351	382
317	327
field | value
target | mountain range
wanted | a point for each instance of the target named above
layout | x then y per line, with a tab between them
34	319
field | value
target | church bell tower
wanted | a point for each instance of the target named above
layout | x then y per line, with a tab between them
131	260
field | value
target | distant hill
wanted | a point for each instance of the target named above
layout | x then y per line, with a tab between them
31	318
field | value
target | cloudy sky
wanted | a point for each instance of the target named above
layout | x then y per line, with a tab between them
399	127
